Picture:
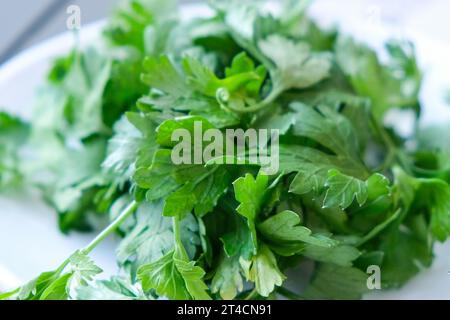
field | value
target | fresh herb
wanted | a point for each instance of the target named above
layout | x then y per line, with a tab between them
350	192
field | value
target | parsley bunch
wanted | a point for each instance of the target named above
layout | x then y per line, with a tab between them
350	192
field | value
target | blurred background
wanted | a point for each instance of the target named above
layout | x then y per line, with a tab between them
25	23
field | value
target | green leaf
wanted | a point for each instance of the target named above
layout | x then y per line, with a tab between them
151	237
175	277
382	84
310	176
243	65
131	146
117	288
130	21
85	85
163	276
166	129
285	228
296	66
158	177
7	295
180	203
434	197
342	190
203	80
377	186
329	130
341	255
263	271
72	192
380	228
83	269
211	110
55	285
250	193
34	289
406	250
193	278
334	282
122	150
13	131
238	242
197	187
333	131
161	74
57	290
13	135
430	196
282	122
227	279
200	195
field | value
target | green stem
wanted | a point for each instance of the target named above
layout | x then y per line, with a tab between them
62	267
177	231
111	228
379	228
103	235
259	106
392	148
252	49
180	251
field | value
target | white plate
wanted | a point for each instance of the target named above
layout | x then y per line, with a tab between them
29	239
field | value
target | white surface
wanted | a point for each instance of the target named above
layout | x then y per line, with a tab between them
29	239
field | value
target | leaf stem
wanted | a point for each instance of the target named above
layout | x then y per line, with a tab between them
180	251
102	236
379	228
62	267
274	94
177	231
111	228
389	143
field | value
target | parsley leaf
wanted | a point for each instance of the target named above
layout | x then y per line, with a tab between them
284	227
263	271
333	282
228	279
382	84
296	66
250	193
174	276
117	288
56	285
